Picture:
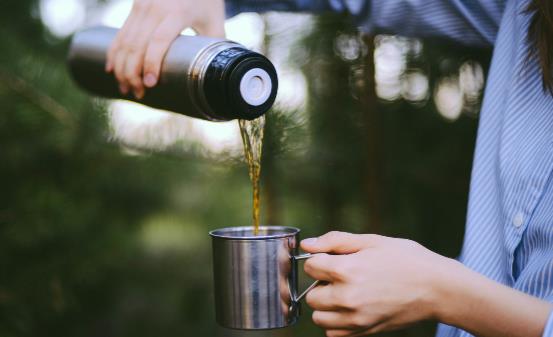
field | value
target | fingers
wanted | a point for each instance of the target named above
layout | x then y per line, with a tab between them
115	46
332	320
116	54
125	66
118	66
347	333
160	41
340	243
112	51
135	52
338	333
323	297
126	55
323	267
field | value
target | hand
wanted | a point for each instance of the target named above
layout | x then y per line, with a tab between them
137	52
374	283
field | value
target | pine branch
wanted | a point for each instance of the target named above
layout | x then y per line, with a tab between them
38	98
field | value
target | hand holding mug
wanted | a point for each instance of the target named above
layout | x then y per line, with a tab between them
373	283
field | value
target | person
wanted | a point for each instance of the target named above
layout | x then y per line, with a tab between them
502	284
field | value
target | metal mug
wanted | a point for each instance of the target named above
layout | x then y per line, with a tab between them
256	277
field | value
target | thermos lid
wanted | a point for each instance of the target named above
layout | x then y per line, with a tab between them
240	84
256	87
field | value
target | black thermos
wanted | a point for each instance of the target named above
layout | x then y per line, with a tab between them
207	78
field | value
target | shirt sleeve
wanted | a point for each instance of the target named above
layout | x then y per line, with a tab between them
548	331
234	7
474	22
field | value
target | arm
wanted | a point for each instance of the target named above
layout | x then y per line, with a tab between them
378	284
137	52
467	22
486	308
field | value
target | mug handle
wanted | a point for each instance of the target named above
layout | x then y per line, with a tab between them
313	285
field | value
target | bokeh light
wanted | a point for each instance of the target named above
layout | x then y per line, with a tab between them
146	128
414	86
349	47
62	17
390	64
449	98
471	80
247	29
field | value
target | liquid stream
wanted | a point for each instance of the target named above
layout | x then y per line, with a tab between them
252	138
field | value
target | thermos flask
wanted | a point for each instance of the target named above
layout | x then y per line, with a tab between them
207	78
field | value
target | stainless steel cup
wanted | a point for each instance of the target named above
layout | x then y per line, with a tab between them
256	277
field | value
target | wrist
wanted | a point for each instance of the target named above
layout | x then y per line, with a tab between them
445	289
465	299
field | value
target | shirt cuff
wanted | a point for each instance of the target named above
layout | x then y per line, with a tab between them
548	331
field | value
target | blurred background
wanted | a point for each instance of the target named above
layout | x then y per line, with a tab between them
106	205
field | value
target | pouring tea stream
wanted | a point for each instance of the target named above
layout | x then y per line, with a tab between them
219	80
207	78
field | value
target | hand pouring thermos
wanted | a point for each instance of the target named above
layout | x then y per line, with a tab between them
207	78
256	277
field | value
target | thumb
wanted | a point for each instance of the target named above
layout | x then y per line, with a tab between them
339	243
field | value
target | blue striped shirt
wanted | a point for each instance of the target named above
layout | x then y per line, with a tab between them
509	229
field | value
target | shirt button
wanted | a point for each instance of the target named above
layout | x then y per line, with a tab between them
518	220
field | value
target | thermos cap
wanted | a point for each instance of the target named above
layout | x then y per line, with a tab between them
240	83
256	87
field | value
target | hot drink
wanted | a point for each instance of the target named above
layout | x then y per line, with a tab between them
252	137
256	277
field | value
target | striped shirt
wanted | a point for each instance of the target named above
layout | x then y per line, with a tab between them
509	229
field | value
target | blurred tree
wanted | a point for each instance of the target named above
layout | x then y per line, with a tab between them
70	201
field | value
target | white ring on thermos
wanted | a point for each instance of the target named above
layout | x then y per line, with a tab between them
256	87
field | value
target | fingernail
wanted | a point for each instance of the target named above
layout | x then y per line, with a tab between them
123	89
310	241
150	80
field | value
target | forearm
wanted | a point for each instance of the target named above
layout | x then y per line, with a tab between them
474	303
475	24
